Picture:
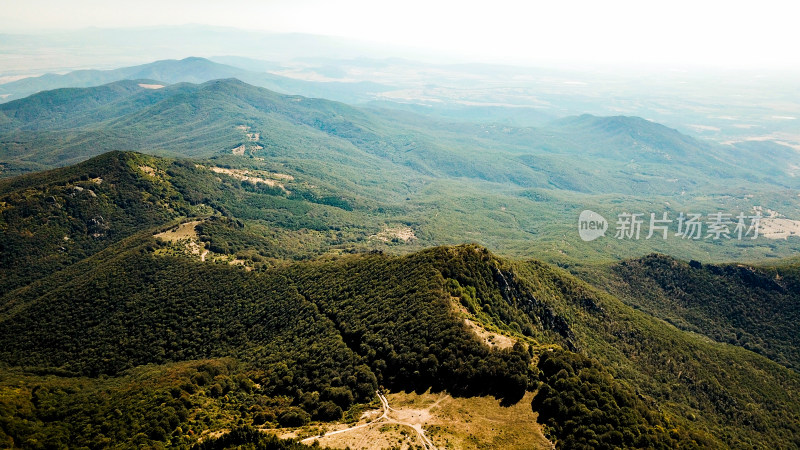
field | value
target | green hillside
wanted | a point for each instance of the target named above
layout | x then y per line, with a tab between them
202	302
706	387
749	306
586	154
515	190
50	220
340	327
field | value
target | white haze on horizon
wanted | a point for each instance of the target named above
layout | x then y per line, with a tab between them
712	34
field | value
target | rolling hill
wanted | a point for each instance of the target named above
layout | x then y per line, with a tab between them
519	189
132	337
56	218
188	70
191	70
585	154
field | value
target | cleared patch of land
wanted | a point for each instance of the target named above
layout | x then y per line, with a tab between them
233	262
447	422
151	86
252	138
389	234
777	228
187	234
184	241
282	176
149	170
490	338
786	139
185	230
493	340
253	177
698	127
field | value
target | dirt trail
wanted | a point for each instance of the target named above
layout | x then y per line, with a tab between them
397	418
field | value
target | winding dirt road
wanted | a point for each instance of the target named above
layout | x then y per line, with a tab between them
384	418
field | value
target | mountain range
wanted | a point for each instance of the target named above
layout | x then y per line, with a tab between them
206	263
188	70
523	184
107	290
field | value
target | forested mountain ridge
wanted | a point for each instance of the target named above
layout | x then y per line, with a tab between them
388	320
52	219
305	336
399	331
753	306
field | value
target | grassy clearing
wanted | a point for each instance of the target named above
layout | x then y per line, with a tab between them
450	423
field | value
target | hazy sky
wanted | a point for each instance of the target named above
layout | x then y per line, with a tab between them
716	33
